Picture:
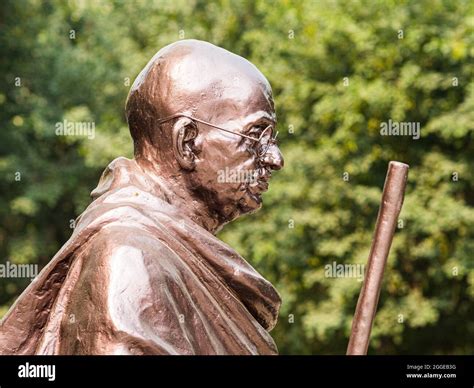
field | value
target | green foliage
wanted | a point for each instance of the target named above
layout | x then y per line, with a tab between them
328	126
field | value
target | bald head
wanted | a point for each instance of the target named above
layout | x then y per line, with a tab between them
222	117
196	78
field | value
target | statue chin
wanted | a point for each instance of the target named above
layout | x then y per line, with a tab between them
250	203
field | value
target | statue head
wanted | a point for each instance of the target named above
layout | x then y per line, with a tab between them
204	118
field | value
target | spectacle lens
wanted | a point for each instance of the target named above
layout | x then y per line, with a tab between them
267	138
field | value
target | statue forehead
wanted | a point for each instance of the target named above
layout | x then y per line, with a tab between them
197	76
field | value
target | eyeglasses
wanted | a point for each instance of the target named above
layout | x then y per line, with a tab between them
266	139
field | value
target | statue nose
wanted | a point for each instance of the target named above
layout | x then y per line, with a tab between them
273	158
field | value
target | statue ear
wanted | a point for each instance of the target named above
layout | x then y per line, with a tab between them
184	134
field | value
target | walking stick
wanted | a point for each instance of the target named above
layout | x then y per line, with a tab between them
392	200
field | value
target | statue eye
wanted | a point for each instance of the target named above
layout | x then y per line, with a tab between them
257	130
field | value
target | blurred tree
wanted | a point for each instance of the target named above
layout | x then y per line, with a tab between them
339	69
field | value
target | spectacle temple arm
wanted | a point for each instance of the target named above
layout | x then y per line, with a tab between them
161	121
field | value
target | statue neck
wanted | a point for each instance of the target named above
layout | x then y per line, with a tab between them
172	188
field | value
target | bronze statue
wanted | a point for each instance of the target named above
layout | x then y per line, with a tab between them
143	272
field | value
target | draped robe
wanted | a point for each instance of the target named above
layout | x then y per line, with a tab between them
137	277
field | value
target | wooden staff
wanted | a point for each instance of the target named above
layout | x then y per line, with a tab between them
392	200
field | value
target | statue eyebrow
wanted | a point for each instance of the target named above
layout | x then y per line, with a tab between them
261	121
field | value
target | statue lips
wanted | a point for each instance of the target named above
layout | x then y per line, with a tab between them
263	181
263	186
260	185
